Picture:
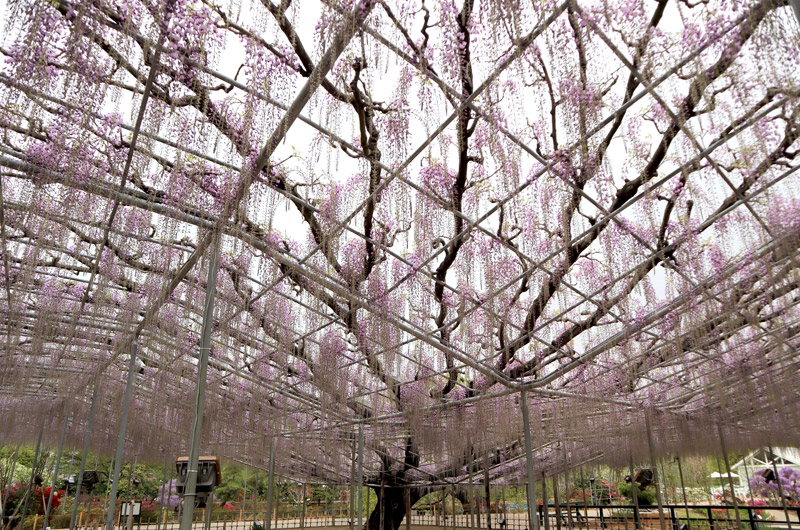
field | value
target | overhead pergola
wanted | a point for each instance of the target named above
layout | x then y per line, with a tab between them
421	214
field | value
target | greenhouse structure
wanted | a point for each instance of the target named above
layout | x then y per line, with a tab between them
403	248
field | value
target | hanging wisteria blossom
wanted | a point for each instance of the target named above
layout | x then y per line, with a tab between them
428	222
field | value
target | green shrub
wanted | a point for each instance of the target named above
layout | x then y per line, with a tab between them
645	496
60	521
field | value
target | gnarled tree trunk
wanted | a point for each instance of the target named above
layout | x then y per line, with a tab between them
394	508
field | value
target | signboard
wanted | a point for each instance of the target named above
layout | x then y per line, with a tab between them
137	508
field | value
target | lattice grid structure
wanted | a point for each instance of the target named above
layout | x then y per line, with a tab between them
418	211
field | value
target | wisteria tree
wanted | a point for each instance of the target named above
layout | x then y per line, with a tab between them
422	208
786	483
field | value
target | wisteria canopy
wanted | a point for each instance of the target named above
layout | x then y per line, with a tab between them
420	209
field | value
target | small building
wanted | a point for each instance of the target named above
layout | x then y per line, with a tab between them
743	470
763	458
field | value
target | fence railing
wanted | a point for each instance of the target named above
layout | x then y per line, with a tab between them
571	517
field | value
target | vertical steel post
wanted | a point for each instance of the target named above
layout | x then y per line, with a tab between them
471	497
82	468
302	506
555	500
664	480
123	425
636	520
209	507
407	500
360	476
244	494
780	487
33	475
730	479
67	413
545	506
453	504
190	487
270	485
585	503
570	523
255	497
351	520
533	520
487	484
382	503
11	477
651	446
161	512
129	522
683	490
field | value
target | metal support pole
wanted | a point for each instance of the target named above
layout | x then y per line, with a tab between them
471	497
302	506
209	507
270	485
636	520
56	468
487	491
352	519
664	480
780	487
11	478
533	520
33	474
570	523
244	495
555	500
123	425
683	491
407	499
255	498
730	479
585	502
796	7
190	487
129	522
82	468
545	507
382	502
453	505
161	512
360	476
654	464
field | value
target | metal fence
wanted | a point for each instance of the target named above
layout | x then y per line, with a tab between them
572	517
